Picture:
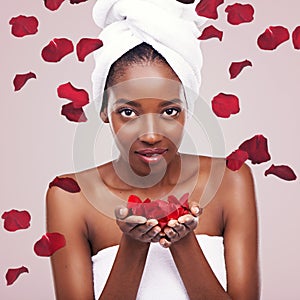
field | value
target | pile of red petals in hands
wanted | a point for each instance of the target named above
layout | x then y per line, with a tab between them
161	210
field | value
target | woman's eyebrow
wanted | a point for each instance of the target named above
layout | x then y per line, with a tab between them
129	102
136	104
170	102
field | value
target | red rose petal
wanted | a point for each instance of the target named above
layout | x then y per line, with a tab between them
79	97
163	211
208	8
57	49
211	32
66	183
236	67
53	4
282	171
13	274
22	25
85	46
72	113
235	160
239	13
296	38
273	37
49	244
257	149
224	105
77	1
15	220
21	79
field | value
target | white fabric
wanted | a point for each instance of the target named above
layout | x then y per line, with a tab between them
161	279
168	26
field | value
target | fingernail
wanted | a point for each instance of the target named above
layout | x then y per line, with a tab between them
196	209
172	223
123	211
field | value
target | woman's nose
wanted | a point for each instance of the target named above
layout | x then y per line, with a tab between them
150	132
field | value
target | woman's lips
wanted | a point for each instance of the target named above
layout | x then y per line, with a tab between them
151	155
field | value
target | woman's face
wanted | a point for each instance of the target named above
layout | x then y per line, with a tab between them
146	111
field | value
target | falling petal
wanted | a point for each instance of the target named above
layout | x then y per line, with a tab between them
22	25
21	79
85	46
57	49
79	97
211	32
66	183
282	171
236	67
49	244
257	149
224	105
13	274
53	4
72	113
296	37
273	37
239	13
16	220
208	8
235	160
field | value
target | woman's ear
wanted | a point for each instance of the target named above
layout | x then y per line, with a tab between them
104	115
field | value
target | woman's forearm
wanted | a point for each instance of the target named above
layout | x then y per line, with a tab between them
197	276
125	276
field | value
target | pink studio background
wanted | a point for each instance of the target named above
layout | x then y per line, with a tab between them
37	142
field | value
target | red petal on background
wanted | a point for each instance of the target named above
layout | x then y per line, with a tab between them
236	67
53	4
23	25
208	8
57	49
296	38
49	243
79	97
13	274
235	160
77	1
21	79
66	183
283	172
15	220
85	46
224	105
211	32
273	37
239	13
72	113
257	149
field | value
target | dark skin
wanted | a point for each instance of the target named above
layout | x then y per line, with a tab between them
230	213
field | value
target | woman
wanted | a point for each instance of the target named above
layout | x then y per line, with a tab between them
146	105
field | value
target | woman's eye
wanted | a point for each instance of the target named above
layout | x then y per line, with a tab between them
171	112
127	113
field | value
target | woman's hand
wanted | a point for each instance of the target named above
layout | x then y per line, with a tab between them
177	229
137	227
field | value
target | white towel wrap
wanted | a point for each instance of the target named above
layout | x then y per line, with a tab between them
161	279
168	26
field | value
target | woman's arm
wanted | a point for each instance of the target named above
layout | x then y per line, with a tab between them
72	266
240	246
125	276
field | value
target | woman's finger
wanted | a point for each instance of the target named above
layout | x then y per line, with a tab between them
121	212
195	209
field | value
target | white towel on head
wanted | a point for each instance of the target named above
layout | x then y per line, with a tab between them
169	26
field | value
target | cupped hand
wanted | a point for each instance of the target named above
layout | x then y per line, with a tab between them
177	229
137	227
